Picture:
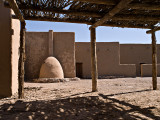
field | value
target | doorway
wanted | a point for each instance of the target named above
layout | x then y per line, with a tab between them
79	72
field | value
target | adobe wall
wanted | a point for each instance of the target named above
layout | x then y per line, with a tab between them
137	54
5	51
36	53
146	70
15	53
107	57
38	48
9	33
64	51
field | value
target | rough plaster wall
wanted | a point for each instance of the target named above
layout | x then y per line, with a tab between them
5	51
82	54
136	54
15	54
64	51
147	70
126	70
107	57
36	53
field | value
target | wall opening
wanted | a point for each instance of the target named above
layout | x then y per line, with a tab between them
79	72
141	68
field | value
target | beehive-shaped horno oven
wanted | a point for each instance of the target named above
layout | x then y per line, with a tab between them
51	68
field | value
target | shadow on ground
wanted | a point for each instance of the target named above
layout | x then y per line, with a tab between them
101	107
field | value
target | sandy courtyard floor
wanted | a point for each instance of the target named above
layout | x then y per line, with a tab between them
116	99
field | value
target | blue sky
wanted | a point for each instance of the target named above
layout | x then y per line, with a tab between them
103	34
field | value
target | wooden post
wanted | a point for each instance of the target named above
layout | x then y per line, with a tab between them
21	62
154	61
94	60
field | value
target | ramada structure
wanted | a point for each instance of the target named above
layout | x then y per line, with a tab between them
143	14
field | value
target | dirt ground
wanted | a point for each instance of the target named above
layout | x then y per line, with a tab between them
116	99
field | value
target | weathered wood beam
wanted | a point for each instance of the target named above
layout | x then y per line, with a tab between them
136	18
94	70
138	6
57	20
144	6
93	14
85	22
122	4
106	2
153	30
21	62
70	12
16	10
125	25
154	61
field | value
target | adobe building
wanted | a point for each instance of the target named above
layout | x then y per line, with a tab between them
9	37
114	59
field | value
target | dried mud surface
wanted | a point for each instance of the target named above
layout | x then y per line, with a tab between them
116	99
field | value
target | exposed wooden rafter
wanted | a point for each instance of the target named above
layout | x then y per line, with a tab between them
85	22
105	2
86	12
93	14
145	6
153	30
16	10
122	4
136	6
136	18
61	11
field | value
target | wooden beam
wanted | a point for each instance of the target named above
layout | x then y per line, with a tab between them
141	6
84	22
154	61
138	6
122	4
94	70
136	18
92	14
16	10
106	2
21	62
144	6
57	20
153	30
60	11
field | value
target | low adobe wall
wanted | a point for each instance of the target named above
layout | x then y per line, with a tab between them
146	70
137	54
126	70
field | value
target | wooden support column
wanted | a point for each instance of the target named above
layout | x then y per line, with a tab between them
21	62
94	60
154	61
